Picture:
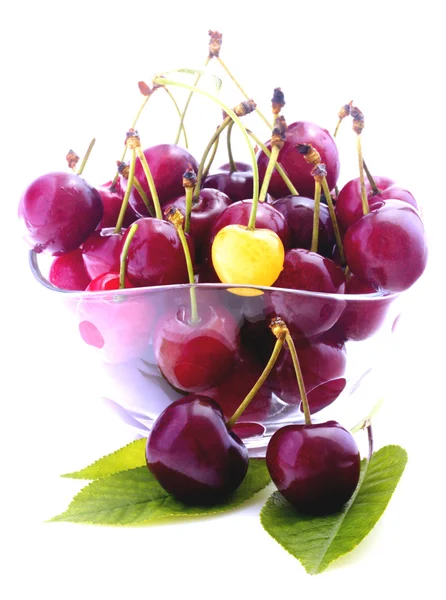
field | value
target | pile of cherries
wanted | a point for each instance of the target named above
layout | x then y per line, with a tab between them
368	238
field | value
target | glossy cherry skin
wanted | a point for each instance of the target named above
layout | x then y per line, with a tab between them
168	163
117	325
112	201
192	454
349	203
387	247
298	212
205	210
196	356
59	210
267	217
309	271
68	272
101	252
156	256
294	164
237	185
315	467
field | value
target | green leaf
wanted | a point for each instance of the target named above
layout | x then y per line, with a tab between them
134	497
318	541
128	457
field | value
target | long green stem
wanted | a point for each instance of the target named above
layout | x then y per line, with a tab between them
365	203
186	106
124	254
232	166
334	220
149	177
86	157
266	179
316	216
261	380
125	200
189	192
211	158
299	376
182	127
138	187
279	167
373	185
206	152
231	113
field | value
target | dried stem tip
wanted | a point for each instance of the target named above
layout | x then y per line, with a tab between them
123	169
72	159
132	140
345	110
277	101
310	154
358	119
278	136
278	327
175	216
319	172
145	89
189	177
215	43
242	109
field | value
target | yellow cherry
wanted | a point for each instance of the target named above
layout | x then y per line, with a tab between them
251	256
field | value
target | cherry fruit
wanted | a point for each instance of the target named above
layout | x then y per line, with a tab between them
192	454
68	272
237	185
101	252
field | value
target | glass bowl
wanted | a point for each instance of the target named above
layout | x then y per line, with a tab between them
146	352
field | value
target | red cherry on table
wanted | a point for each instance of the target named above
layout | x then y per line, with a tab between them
192	454
155	255
237	185
101	252
295	165
112	197
387	247
205	210
196	356
349	204
298	212
118	325
68	272
308	315
167	163
59	210
315	467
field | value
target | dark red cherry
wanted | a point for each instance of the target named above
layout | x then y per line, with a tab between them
196	356
167	163
237	185
298	212
205	210
155	255
68	271
59	210
101	252
387	247
112	197
349	203
295	165
267	217
192	454
308	271
315	467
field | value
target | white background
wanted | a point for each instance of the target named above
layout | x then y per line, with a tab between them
68	73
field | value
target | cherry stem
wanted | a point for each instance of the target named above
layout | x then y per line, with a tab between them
232	165
373	185
266	180
124	254
211	158
206	152
123	169
261	380
125	200
370	439
299	376
189	196
149	177
316	216
231	113
86	157
231	76
186	106
334	220
175	217
182	127
365	203
279	167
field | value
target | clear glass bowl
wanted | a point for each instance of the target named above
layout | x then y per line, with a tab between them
341	340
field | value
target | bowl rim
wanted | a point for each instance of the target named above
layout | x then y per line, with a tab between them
377	296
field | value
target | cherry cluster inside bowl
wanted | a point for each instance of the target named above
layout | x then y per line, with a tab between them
241	287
